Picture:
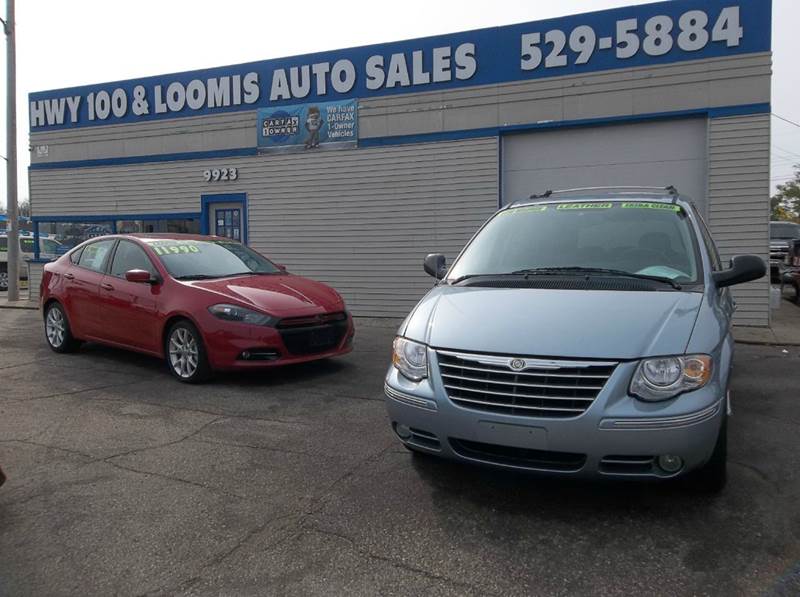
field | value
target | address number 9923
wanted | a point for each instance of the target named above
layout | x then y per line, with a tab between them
220	174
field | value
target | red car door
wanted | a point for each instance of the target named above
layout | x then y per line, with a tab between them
83	289
129	310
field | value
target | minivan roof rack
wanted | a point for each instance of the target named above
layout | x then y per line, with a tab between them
671	190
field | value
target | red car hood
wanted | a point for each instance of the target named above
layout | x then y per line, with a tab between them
280	295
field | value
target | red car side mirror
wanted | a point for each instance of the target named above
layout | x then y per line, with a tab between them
281	267
139	276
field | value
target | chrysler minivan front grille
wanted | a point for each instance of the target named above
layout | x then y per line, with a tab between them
555	389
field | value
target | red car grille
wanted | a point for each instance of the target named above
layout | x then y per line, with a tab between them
312	335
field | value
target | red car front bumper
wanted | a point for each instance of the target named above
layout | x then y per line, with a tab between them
233	345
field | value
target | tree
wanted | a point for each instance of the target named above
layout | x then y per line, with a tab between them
24	208
786	202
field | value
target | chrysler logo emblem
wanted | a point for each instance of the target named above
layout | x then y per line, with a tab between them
517	364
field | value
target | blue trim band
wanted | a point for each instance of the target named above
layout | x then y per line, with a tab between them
744	110
143	159
116	217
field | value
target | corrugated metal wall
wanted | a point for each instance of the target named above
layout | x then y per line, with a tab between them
738	192
361	220
364	220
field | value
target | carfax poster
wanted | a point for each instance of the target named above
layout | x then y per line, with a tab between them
308	127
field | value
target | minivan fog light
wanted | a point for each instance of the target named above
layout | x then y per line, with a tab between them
666	377
402	431
669	463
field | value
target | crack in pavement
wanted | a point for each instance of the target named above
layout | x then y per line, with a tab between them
252	447
200	410
315	506
41	445
175	479
187	584
108	459
165	444
73	392
401	565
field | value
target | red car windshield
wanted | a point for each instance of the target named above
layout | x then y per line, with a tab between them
206	259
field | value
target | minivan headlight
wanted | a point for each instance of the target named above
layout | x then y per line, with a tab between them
240	314
666	377
410	358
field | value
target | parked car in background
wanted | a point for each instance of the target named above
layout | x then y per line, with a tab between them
48	248
791	274
780	235
201	303
583	333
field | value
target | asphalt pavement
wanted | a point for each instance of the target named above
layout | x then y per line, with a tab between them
124	481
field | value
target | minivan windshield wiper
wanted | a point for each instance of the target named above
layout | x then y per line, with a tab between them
595	270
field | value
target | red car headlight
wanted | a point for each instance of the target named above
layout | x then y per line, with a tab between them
241	315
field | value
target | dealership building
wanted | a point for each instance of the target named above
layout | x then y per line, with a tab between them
349	166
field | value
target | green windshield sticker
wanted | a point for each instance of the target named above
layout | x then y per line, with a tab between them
585	206
527	209
176	249
661	206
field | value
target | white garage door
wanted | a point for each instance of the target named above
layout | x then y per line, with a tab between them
648	154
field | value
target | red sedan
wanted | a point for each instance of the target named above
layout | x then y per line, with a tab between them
201	303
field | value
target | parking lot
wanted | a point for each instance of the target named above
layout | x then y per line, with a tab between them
122	480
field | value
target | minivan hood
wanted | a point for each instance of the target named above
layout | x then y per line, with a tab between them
555	323
282	295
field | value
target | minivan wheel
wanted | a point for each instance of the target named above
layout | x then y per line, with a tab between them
713	475
57	330
185	354
3	279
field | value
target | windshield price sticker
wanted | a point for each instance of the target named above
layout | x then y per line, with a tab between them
174	247
661	206
585	206
656	36
528	209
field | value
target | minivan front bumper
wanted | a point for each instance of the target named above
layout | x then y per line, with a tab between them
616	436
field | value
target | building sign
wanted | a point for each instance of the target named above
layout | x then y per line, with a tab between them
644	35
308	126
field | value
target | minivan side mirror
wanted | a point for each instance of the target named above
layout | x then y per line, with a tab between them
140	276
435	265
744	268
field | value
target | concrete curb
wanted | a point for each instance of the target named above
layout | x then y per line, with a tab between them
27	307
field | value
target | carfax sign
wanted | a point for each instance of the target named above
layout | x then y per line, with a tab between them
308	126
643	35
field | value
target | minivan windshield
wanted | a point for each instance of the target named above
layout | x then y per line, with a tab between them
639	238
206	259
784	230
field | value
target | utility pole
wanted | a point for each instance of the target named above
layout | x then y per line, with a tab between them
11	159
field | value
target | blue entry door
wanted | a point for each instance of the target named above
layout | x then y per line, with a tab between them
225	216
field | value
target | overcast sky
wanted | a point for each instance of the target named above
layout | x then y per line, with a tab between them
67	43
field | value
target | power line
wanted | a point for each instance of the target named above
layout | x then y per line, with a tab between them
792	122
784	150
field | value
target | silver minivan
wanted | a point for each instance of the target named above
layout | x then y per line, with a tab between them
582	333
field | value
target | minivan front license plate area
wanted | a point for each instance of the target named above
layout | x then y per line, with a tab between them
508	434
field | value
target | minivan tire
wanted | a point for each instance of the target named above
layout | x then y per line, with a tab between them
713	475
183	341
3	277
57	330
